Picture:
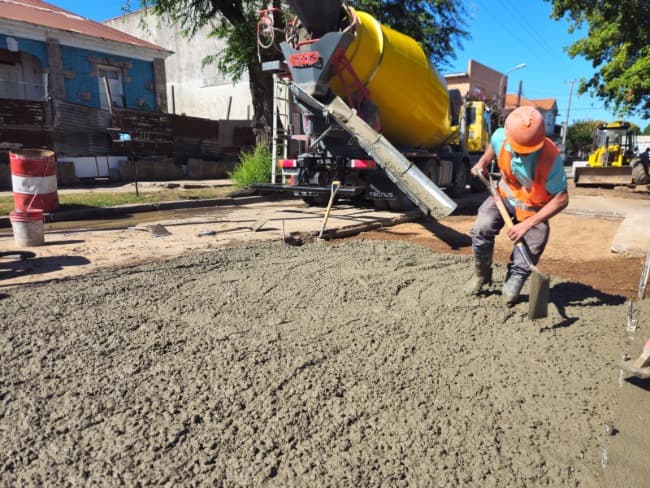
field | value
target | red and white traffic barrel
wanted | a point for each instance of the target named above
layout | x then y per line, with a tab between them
33	180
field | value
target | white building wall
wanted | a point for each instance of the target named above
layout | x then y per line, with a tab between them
192	89
549	122
643	142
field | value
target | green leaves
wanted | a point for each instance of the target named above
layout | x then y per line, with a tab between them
253	167
618	45
580	136
437	25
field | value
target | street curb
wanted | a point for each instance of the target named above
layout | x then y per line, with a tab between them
121	210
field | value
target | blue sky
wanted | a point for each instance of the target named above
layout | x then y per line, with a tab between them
505	33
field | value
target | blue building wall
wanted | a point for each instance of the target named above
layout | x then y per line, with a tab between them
82	84
29	46
80	73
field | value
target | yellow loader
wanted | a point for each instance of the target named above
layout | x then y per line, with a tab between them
613	160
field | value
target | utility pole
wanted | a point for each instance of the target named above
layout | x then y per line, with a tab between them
568	109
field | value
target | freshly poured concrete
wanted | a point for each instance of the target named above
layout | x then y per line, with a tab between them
354	364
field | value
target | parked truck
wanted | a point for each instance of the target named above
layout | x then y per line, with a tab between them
376	116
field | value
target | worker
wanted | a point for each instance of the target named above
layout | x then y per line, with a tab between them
645	158
533	187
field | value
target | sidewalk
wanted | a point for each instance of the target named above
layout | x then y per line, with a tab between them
238	197
145	186
633	236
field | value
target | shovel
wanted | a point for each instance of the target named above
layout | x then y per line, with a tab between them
539	282
335	188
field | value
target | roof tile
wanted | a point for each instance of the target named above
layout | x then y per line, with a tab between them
48	15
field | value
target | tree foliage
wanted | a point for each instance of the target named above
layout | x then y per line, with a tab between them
580	136
618	45
235	22
436	24
646	131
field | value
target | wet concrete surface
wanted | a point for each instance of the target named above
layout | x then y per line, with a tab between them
128	241
265	364
248	362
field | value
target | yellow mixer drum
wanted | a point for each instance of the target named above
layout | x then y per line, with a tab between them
412	98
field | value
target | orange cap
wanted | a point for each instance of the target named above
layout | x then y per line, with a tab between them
525	130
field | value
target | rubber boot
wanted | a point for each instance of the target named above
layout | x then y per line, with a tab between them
512	288
482	277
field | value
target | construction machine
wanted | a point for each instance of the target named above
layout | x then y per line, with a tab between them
376	116
613	159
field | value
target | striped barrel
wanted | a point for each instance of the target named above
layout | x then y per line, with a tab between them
33	179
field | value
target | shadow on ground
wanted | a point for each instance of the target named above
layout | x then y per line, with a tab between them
571	294
33	266
454	239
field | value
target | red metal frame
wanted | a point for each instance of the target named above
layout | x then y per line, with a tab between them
342	64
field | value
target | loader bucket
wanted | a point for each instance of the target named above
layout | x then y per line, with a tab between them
599	176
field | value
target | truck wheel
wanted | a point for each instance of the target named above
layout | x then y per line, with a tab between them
380	204
400	204
639	173
476	185
431	168
318	200
459	186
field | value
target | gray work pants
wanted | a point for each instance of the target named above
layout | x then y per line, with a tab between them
488	224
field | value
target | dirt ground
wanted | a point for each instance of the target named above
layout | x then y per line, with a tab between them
353	363
579	247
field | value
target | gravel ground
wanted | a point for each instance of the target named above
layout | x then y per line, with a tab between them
360	364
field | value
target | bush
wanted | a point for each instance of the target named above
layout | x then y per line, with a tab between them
253	167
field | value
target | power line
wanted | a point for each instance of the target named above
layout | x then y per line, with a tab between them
499	22
522	18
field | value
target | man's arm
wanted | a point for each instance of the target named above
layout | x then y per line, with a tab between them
554	206
481	166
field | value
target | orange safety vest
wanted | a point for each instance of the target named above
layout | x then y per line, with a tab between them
527	202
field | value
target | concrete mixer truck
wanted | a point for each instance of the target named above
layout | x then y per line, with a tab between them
376	116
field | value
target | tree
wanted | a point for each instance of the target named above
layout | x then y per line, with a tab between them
236	22
436	24
646	131
618	45
580	135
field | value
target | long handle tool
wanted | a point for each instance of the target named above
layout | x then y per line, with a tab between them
335	188
540	282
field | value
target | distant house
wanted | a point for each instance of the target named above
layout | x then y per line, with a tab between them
47	52
192	88
479	82
94	95
546	106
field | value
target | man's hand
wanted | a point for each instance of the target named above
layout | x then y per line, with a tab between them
554	206
481	166
518	231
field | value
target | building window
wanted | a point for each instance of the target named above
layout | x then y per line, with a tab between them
21	76
115	86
